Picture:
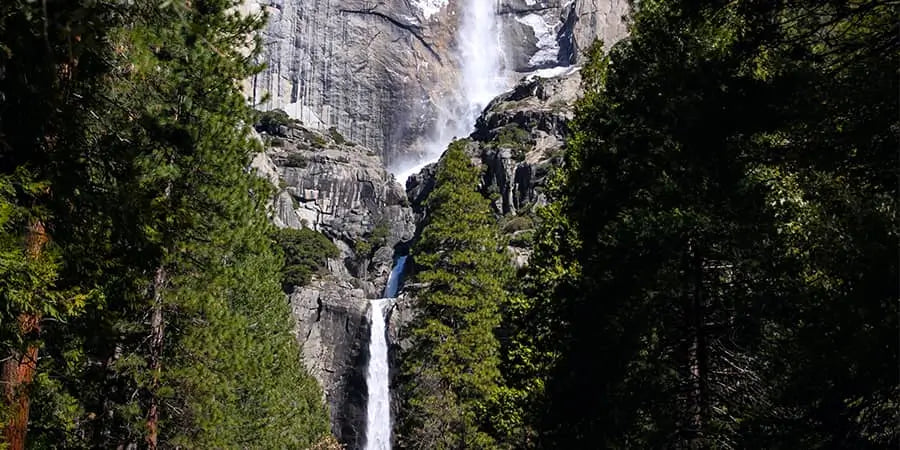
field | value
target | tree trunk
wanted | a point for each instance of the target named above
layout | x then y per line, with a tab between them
697	356
156	347
19	367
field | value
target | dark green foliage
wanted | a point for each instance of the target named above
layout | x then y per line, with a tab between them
274	122
451	373
315	139
719	270
522	239
516	223
305	253
139	155
336	136
373	240
515	139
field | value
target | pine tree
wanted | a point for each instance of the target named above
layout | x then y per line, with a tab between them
725	158
452	369
52	61
144	144
202	269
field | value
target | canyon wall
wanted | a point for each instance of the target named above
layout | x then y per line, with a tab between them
381	71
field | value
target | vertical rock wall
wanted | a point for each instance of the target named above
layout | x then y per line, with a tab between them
378	71
370	69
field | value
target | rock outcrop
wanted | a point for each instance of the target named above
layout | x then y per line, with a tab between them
333	328
341	189
520	137
518	140
379	72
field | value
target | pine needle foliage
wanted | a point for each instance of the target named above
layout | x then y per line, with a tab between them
719	268
452	370
135	155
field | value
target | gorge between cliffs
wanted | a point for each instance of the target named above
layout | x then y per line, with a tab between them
466	53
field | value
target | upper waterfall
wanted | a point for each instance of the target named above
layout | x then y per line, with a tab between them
480	55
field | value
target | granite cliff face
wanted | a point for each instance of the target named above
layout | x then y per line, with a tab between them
341	189
370	69
382	72
367	83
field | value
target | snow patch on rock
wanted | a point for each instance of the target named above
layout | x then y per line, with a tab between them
430	7
552	72
548	47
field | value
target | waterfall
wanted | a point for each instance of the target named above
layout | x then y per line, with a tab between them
378	409
480	52
393	284
480	56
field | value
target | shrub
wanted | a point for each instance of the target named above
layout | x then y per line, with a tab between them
272	122
374	240
522	239
518	154
315	139
305	252
336	136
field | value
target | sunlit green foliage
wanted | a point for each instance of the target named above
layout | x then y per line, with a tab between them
305	253
451	373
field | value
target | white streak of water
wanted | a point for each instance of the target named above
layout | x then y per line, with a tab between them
378	409
480	54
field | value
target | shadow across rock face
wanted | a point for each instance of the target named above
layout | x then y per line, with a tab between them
333	329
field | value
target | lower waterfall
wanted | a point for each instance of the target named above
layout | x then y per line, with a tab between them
378	408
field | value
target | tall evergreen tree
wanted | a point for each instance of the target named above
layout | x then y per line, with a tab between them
142	135
725	158
52	62
451	372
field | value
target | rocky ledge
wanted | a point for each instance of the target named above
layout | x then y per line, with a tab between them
518	140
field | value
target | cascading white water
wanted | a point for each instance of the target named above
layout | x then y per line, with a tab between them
378	409
480	54
480	51
378	414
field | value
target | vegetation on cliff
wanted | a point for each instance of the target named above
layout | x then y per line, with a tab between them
140	282
305	253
